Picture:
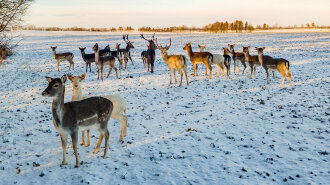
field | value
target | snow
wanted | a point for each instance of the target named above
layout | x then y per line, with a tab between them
218	131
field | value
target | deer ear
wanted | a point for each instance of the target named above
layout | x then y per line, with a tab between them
70	77
234	45
63	79
249	47
204	46
82	76
263	48
49	79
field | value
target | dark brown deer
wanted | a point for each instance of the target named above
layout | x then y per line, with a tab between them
227	61
237	57
71	117
88	58
205	58
103	61
59	57
150	54
125	53
275	64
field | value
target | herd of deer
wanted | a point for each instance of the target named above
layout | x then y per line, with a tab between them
83	113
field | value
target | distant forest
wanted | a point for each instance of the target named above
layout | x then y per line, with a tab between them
217	27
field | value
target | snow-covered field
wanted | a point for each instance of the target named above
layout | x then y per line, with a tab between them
218	131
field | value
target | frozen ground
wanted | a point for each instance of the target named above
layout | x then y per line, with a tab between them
235	131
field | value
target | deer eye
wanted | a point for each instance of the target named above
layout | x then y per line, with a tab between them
56	85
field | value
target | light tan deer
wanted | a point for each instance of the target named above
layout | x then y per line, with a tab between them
119	106
71	117
103	61
59	57
218	61
275	64
205	58
174	62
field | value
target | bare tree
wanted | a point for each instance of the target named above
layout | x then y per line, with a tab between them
11	14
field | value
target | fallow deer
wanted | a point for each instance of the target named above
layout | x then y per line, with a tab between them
88	58
119	106
103	61
105	51
150	53
125	54
279	64
205	58
218	61
253	61
174	62
237	57
71	117
144	58
227	61
59	57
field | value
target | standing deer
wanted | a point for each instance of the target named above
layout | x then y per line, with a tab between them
88	58
144	58
150	53
218	61
125	54
71	117
105	51
205	58
119	106
59	57
102	61
275	64
174	62
237	57
253	61
227	60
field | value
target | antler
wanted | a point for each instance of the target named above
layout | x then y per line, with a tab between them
168	47
153	37
124	38
157	45
143	37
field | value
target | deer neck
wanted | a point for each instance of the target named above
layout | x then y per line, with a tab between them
58	107
77	93
97	56
189	51
261	58
83	54
165	57
247	56
54	53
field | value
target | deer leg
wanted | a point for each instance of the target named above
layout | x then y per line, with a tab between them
181	74
274	75
234	66
90	69
110	69
123	119
185	72
58	65
87	138
102	73
267	71
64	141
98	72
174	75
244	64
125	60
74	138
205	71
210	68
98	143
116	70
254	71
170	76
82	138
284	76
86	67
288	73
107	134
219	69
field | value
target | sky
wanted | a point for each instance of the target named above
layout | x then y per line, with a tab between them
164	13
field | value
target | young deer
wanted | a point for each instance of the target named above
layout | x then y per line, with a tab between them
174	62
144	58
88	58
237	57
218	61
279	64
102	61
253	61
150	53
59	57
105	51
227	61
205	58
119	106
71	117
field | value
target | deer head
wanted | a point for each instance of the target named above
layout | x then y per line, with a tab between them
55	86
82	49
76	80
187	46
260	50
202	47
152	44
164	49
128	42
96	47
246	49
